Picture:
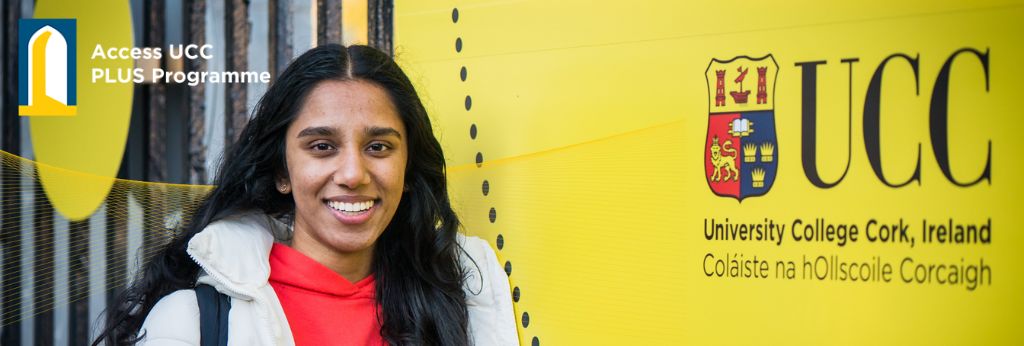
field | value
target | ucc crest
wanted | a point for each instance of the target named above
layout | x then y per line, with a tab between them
741	152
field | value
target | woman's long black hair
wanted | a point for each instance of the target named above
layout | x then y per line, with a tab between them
416	267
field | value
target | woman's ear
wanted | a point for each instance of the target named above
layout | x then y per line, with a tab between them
283	186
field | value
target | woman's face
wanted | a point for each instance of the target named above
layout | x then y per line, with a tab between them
346	155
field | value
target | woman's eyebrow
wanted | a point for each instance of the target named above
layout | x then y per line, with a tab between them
316	131
376	131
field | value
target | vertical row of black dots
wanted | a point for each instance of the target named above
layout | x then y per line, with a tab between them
492	214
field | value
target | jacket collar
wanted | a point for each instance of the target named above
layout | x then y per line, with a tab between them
234	252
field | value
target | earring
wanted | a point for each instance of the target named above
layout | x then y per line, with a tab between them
282	187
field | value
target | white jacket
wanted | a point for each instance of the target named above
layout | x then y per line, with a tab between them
234	257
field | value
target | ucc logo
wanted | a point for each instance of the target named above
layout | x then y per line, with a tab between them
741	153
47	83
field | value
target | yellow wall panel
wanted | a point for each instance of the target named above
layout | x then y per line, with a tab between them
592	119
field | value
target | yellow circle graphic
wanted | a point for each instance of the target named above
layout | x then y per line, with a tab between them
91	142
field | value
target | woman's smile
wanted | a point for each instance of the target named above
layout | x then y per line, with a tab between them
352	210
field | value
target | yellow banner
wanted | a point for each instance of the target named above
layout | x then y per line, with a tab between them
869	192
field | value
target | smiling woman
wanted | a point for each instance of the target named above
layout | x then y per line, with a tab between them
346	170
329	224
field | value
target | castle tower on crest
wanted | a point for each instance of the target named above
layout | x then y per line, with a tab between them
762	85
720	88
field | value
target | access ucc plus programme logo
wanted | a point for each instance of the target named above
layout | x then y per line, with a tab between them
46	67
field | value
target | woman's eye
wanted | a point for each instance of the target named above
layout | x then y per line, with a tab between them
322	147
378	147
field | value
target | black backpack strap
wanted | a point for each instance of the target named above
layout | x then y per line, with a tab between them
213	316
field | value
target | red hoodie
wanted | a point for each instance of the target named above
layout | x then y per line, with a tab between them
323	308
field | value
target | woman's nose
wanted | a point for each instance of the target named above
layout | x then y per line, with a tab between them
351	171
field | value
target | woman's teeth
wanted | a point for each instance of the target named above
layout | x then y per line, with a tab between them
350	207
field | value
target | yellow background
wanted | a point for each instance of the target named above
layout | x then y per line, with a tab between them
591	120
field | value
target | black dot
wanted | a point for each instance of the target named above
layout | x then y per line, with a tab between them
486	187
515	294
526	319
463	73
535	342
508	268
472	131
458	44
469	102
493	214
500	242
479	159
455	15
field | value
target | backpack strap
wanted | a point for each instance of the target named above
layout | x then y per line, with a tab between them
213	316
